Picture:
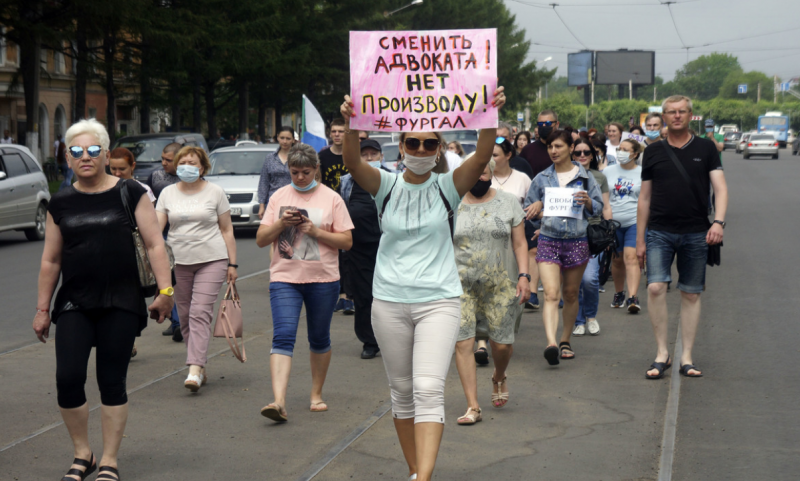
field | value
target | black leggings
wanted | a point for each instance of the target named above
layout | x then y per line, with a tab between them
113	331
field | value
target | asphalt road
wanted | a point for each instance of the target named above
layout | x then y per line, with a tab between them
594	418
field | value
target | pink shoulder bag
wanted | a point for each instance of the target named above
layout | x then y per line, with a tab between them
229	321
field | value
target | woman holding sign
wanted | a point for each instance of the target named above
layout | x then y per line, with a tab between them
565	196
417	311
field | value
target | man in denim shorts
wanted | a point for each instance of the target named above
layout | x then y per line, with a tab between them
671	221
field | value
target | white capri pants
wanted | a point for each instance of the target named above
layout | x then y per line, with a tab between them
417	342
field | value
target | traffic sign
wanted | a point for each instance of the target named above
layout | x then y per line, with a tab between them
742	88
520	116
697	118
785	86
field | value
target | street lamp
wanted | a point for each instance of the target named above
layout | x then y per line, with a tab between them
546	82
389	14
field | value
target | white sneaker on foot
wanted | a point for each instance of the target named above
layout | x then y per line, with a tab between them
579	330
593	326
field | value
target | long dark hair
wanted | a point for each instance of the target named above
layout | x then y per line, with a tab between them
587	142
506	146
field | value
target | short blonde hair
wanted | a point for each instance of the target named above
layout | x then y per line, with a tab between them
90	127
675	99
302	156
199	152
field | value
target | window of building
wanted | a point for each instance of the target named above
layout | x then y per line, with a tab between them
92	113
60	63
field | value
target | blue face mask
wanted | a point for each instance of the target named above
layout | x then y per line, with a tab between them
376	164
306	188
188	173
652	134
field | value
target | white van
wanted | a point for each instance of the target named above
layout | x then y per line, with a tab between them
728	128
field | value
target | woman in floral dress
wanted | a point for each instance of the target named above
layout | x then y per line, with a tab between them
492	260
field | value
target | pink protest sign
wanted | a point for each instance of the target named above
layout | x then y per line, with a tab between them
436	80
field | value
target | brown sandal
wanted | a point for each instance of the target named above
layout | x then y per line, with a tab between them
275	412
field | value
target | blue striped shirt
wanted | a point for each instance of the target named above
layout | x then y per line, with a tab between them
274	175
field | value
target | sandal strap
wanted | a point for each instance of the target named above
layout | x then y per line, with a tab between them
107	477
83	462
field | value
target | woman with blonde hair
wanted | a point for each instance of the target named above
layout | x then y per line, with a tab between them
201	237
456	148
100	303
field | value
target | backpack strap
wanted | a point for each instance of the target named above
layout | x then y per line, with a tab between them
386	200
693	186
449	209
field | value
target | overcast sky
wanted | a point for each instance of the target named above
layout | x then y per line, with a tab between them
763	34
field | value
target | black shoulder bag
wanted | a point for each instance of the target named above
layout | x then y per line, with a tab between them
447	207
714	252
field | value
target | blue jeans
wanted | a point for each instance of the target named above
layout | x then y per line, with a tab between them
67	179
692	252
287	300
589	294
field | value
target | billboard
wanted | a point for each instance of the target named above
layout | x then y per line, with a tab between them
579	68
621	66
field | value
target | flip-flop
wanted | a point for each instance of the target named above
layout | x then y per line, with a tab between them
689	367
481	356
661	367
273	411
319	410
551	354
564	346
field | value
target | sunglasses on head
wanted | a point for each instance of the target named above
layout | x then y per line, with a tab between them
583	153
429	144
500	140
77	152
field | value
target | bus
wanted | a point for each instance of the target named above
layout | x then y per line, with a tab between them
777	124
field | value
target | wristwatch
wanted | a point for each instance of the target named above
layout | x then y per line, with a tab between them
169	291
720	222
526	276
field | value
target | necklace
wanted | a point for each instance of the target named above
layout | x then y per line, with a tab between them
504	181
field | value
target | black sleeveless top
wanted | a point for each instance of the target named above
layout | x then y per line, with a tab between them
98	260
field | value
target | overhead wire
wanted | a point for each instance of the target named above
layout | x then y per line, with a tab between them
554	5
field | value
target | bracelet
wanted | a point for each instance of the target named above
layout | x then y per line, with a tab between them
236	266
42	310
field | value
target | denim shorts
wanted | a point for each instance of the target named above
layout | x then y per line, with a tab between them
286	301
692	252
626	237
567	253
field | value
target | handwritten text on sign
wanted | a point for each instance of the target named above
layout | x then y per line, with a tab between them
423	80
558	203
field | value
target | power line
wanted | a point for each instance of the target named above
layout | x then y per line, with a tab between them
554	5
668	4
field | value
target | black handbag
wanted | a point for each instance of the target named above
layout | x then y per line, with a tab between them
602	236
714	257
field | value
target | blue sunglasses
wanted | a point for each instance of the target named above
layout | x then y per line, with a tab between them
77	152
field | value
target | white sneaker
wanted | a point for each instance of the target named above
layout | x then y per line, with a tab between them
541	288
579	330
193	382
594	327
412	477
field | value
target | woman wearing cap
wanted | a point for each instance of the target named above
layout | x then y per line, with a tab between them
416	313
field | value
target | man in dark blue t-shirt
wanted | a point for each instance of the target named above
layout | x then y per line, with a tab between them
672	219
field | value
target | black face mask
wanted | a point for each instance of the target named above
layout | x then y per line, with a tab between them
544	133
480	188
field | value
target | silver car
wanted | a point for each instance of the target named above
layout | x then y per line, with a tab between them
742	142
24	192
761	144
237	170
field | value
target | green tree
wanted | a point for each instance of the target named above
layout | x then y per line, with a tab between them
729	88
702	78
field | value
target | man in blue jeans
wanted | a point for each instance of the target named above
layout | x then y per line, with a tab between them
671	220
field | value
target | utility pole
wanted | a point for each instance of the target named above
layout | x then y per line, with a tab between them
655	89
630	89
758	95
775	90
592	92
540	96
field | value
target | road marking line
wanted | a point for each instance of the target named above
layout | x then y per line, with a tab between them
97	406
248	276
345	442
671	415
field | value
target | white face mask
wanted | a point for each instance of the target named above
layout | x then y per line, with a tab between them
420	165
623	157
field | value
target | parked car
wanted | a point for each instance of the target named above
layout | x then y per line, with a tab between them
24	192
147	149
391	154
796	145
761	144
381	137
731	140
742	142
214	144
237	170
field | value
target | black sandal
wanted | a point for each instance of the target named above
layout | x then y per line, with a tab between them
564	346
90	466
106	476
551	354
482	356
660	367
690	367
